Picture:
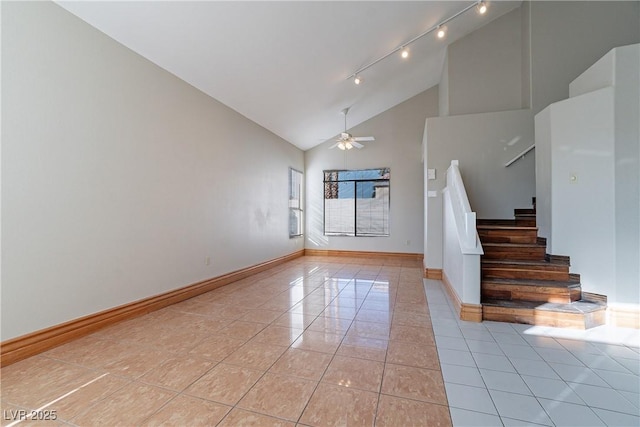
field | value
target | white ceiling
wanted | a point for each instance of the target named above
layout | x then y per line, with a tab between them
285	65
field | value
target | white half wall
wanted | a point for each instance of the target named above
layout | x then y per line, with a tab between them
582	187
587	174
119	180
398	132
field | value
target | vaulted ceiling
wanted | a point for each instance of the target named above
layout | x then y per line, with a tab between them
285	65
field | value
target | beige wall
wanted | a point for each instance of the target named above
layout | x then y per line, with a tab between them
483	143
485	68
118	179
567	37
398	145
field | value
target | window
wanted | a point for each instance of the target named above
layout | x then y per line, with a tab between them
295	203
356	202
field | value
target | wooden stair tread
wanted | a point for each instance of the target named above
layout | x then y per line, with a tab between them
577	307
533	283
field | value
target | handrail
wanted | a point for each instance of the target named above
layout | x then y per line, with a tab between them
465	218
519	156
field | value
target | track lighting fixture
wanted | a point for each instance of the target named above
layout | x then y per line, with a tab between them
440	30
482	7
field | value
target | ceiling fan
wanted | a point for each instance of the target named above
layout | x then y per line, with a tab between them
348	141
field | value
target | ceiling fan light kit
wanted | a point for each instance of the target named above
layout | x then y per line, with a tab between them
348	141
481	7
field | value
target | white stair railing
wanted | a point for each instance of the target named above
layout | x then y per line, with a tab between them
461	245
465	218
520	156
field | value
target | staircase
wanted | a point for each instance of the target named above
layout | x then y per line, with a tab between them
521	283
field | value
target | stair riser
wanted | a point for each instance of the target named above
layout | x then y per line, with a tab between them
500	222
524	211
525	222
530	293
508	236
518	254
517	273
544	318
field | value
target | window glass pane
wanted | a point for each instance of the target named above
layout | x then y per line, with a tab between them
295	222
296	218
339	208
372	208
356	202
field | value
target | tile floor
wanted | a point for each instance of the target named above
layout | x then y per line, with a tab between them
328	341
515	375
314	342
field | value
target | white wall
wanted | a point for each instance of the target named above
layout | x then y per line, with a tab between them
483	143
398	133
543	174
594	137
452	257
443	88
485	68
525	53
118	179
567	37
627	173
583	194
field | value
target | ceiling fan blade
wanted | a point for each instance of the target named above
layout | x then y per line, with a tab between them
334	145
364	138
356	144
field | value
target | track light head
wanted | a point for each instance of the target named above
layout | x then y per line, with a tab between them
404	53
441	31
482	7
358	79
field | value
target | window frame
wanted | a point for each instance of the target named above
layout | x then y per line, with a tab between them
386	172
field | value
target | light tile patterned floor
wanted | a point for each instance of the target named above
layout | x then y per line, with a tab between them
315	342
330	341
514	375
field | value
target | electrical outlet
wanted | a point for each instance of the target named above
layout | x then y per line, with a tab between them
207	261
408	242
